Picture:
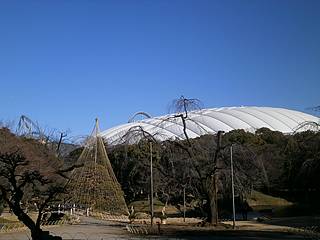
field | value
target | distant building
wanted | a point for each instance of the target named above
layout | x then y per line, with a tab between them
212	120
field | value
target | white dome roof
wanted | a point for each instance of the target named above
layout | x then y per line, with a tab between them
210	121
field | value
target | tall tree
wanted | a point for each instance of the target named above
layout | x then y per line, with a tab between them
208	178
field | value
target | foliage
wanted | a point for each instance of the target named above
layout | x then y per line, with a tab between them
29	176
266	160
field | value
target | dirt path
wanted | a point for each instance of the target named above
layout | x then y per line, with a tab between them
88	229
93	229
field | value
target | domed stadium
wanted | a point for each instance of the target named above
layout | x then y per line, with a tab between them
212	120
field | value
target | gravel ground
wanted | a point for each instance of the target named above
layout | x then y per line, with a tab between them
92	229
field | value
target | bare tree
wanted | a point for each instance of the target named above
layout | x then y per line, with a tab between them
208	178
23	183
7	124
55	140
181	108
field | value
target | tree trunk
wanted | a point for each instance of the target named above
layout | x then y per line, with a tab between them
36	232
213	206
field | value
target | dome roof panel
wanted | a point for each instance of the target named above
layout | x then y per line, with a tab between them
276	120
252	120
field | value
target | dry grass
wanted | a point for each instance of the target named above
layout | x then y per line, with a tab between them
144	207
260	199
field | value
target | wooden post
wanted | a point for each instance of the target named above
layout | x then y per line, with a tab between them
184	203
151	184
232	186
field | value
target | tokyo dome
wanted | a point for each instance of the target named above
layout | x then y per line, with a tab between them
212	120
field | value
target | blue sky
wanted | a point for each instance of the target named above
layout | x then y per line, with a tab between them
63	63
